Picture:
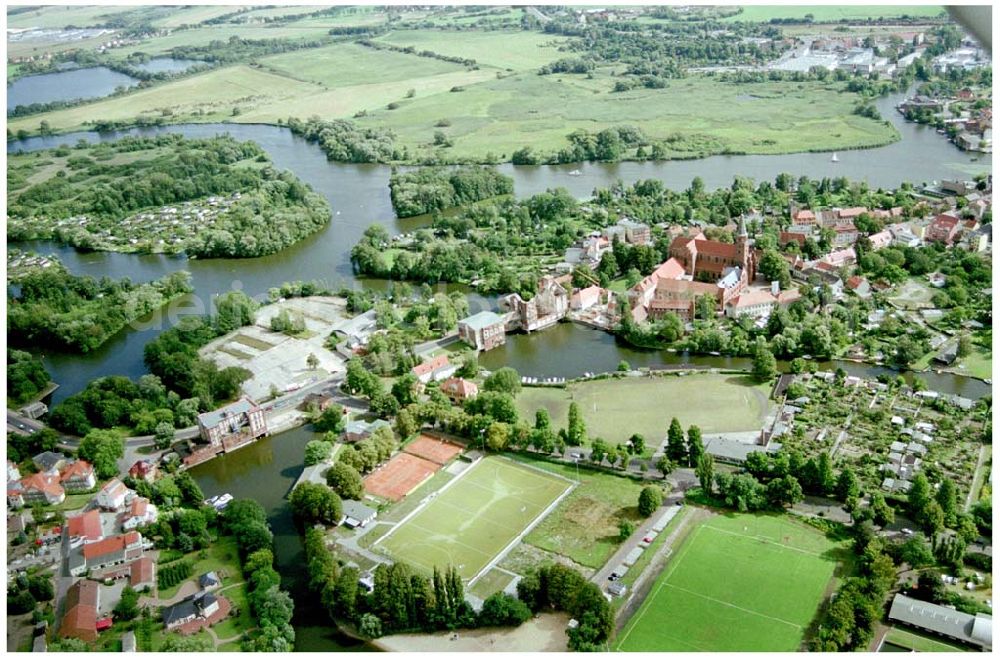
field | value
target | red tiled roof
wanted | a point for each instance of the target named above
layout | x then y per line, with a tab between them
80	620
77	469
142	468
855	281
109	545
141	571
460	386
431	365
87	525
804	214
754	298
138	507
716	249
114	488
671	269
852	212
47	483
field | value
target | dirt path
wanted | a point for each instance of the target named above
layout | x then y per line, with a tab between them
544	632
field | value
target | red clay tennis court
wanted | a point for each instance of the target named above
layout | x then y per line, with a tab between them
399	476
433	449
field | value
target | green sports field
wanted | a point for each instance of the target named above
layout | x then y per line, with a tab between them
472	521
738	583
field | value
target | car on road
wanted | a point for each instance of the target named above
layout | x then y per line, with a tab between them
907	532
648	539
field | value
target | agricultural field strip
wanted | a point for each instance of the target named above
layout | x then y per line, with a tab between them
688	544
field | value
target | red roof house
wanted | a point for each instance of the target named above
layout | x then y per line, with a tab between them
86	526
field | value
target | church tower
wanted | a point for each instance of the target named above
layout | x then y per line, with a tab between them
746	256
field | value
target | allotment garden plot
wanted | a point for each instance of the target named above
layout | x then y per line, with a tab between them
472	521
739	583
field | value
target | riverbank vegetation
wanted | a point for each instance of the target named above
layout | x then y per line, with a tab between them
26	376
213	197
427	190
58	310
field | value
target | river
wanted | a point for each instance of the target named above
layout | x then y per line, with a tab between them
359	196
90	83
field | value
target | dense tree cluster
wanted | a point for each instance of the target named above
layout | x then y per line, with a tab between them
434	189
26	376
57	309
239	49
345	141
315	503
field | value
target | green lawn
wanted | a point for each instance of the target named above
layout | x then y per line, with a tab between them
222	555
614	409
492	581
919	642
738	583
584	527
470	523
832	13
235	625
978	364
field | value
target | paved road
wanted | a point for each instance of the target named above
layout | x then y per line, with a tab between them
600	578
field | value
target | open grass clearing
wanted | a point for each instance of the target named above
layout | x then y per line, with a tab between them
584	526
978	364
738	583
912	294
502	115
470	523
920	642
60	16
234	625
194	15
204	97
253	342
616	408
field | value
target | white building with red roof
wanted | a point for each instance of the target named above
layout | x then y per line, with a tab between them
459	390
85	528
138	512
114	495
78	476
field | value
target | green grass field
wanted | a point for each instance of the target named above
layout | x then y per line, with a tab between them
470	523
920	643
584	526
738	583
614	409
978	364
832	13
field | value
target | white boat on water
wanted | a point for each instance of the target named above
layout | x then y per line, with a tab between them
219	502
575	173
834	158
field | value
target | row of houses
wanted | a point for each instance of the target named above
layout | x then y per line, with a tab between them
57	475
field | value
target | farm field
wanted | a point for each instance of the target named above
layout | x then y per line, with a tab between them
584	526
470	523
738	583
614	409
833	13
55	16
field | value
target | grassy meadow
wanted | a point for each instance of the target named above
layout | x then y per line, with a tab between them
614	409
833	13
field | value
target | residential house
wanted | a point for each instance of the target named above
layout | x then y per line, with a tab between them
81	604
41	488
845	233
943	229
760	303
860	286
434	369
880	239
49	461
483	331
201	605
633	233
840	258
85	528
78	476
459	390
114	495
970	629
13	473
139	512
234	425
358	429
145	470
112	551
